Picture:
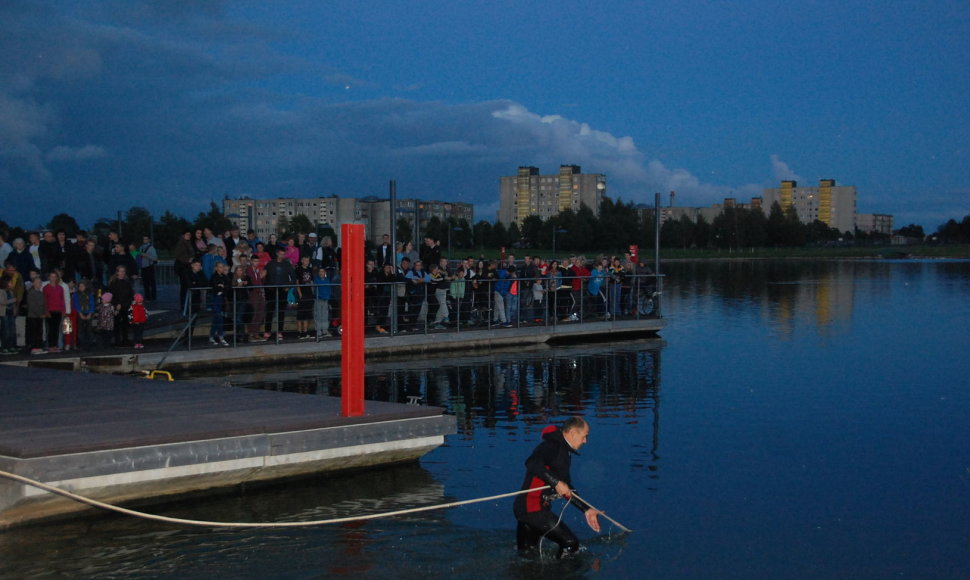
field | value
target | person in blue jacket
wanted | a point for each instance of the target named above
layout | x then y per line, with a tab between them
323	285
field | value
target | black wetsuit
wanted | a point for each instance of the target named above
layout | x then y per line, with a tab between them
548	465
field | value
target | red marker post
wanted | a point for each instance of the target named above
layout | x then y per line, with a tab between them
352	321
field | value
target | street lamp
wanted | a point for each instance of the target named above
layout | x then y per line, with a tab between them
554	232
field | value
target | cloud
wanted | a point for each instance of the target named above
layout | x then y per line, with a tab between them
444	148
781	170
190	106
63	153
556	139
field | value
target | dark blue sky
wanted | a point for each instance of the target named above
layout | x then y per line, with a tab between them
168	104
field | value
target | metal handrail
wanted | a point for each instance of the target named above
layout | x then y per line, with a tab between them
630	297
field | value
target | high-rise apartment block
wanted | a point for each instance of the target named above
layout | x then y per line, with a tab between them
529	193
829	203
263	215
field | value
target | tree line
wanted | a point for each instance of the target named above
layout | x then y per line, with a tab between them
618	225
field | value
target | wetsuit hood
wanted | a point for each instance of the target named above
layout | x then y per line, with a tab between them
557	436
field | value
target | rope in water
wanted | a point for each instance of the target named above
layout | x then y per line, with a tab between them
203	523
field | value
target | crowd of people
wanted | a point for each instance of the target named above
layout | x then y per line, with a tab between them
76	293
254	285
81	294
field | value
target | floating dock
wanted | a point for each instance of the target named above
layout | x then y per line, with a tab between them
203	357
118	438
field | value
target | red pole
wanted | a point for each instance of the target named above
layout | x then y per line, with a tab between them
352	320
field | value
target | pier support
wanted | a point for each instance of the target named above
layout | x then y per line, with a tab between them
352	320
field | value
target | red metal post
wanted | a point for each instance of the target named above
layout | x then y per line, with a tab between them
352	320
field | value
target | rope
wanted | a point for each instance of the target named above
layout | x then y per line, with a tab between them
559	521
602	513
203	523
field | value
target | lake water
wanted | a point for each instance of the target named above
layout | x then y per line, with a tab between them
797	420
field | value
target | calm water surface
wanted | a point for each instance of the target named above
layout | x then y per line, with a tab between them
804	419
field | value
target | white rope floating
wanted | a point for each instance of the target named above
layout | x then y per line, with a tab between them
204	523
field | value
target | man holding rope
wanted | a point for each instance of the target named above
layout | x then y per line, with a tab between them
549	466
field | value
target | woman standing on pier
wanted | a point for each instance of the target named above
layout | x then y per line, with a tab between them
58	299
123	293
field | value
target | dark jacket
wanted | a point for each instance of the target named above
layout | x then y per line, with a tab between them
548	465
280	273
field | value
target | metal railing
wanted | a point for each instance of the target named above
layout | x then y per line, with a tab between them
405	307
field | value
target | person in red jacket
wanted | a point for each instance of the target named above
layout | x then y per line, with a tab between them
137	317
549	466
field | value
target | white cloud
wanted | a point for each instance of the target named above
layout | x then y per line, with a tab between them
63	153
443	148
781	170
556	139
23	122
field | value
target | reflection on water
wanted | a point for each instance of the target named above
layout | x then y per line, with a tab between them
786	293
110	546
508	394
815	424
531	388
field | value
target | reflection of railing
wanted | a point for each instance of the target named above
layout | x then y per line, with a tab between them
409	306
527	386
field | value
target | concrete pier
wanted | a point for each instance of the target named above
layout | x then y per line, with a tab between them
117	438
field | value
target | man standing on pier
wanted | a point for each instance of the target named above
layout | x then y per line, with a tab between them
549	466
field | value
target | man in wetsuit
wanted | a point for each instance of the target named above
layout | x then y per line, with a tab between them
549	465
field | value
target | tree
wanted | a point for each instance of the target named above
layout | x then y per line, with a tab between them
138	223
327	231
169	230
648	229
702	232
283	228
62	221
214	219
515	236
500	236
955	233
784	228
462	234
586	231
754	227
482	232
403	230
911	231
301	224
102	227
435	230
532	230
819	232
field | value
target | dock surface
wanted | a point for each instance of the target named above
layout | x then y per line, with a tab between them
119	438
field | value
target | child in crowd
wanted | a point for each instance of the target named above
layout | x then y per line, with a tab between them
8	317
138	316
36	313
539	298
69	324
104	320
85	305
221	284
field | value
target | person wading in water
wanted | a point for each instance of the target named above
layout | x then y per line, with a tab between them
549	465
